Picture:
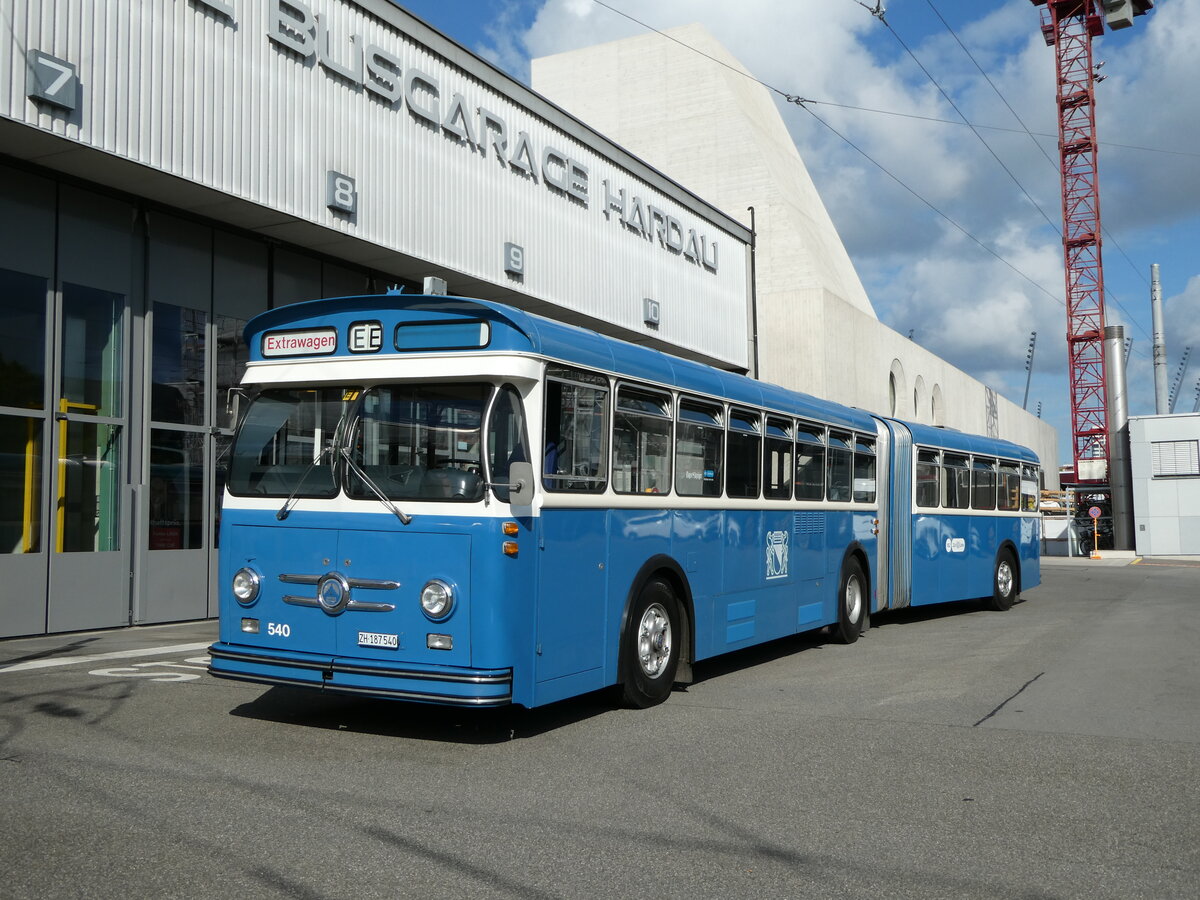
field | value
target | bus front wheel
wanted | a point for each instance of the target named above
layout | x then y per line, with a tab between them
1004	582
852	601
650	646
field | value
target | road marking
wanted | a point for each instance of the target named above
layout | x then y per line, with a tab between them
100	657
137	670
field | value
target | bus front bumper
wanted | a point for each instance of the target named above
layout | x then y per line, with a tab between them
455	687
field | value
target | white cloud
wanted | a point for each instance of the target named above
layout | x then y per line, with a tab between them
921	272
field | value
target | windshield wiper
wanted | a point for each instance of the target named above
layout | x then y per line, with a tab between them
286	509
334	441
366	479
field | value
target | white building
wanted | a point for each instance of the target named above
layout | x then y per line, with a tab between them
699	118
1164	460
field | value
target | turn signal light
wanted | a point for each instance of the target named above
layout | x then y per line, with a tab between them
510	548
510	528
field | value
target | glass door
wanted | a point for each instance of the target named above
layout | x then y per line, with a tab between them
23	417
89	515
175	512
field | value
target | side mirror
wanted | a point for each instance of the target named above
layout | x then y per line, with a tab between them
521	482
233	404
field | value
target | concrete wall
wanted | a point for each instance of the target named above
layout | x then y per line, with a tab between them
1166	509
719	133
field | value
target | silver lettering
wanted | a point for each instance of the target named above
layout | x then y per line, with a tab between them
704	245
577	180
674	233
218	6
457	122
614	203
637	218
494	133
692	250
384	74
415	105
353	72
551	160
658	222
292	26
522	157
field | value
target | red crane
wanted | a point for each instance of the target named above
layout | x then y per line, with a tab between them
1069	26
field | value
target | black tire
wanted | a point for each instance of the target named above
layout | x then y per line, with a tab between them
650	646
852	602
1006	582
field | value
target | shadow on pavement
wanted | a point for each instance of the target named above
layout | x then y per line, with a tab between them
419	721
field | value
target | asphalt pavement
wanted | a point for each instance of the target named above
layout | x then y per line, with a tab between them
1048	751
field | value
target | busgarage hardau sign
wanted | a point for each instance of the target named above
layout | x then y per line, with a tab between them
298	27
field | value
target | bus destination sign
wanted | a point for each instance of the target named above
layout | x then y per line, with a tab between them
310	342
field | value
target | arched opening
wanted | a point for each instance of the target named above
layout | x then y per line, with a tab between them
897	387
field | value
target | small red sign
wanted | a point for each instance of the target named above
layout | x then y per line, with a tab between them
1094	512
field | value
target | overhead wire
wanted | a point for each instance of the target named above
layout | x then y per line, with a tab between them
1053	164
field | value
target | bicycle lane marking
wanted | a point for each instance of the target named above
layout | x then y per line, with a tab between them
198	665
54	662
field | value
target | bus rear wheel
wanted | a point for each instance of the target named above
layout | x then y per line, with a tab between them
852	601
650	646
1004	582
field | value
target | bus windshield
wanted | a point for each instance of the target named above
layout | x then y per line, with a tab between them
285	445
412	441
420	441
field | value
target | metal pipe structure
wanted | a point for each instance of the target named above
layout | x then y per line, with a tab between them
1120	475
1161	403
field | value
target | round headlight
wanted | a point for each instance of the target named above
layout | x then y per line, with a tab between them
246	583
437	599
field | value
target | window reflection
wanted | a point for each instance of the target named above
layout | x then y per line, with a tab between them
89	468
232	355
176	490
20	485
177	392
22	339
91	351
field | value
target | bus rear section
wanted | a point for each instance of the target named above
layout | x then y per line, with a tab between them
963	521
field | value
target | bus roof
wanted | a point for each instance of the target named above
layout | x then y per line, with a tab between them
950	439
516	331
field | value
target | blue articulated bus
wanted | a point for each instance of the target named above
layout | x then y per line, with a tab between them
447	500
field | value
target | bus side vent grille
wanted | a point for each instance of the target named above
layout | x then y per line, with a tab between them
809	523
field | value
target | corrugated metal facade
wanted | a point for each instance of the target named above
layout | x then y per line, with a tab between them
184	87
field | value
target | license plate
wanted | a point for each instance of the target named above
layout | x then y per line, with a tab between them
374	639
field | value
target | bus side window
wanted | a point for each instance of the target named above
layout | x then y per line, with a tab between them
743	453
810	461
576	439
864	471
1009	487
698	449
839	471
641	442
928	476
983	483
1029	488
956	482
778	451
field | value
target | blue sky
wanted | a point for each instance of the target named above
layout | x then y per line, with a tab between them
923	274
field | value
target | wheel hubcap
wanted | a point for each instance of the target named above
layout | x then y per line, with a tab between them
654	640
853	599
1004	579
